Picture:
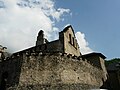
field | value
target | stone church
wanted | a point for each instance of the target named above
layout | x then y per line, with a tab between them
55	65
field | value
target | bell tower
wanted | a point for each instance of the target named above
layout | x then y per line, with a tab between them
40	38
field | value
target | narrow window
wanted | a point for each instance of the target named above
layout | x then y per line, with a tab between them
70	39
73	41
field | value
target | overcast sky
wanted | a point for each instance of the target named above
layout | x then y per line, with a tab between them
96	23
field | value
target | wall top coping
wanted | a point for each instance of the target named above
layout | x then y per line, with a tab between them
93	54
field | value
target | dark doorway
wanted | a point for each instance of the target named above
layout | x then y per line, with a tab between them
4	81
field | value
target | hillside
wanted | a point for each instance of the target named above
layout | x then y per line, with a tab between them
107	62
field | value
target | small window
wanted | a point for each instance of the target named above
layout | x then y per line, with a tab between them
70	39
73	41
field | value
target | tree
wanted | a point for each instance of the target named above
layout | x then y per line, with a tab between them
2	50
107	62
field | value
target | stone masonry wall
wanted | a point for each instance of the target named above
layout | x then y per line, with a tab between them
51	72
98	62
11	67
70	42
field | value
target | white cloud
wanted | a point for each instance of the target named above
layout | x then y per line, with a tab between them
84	48
47	7
21	20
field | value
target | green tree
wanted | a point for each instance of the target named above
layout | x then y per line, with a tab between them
107	62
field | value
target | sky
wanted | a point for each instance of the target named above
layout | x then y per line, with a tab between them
96	23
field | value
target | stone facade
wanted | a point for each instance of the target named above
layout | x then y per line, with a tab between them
97	60
56	65
50	72
66	43
68	39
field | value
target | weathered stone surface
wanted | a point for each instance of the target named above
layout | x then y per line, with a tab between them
57	87
56	65
51	72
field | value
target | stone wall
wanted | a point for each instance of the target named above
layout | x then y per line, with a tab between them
69	41
11	69
56	65
50	72
50	47
54	46
97	60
